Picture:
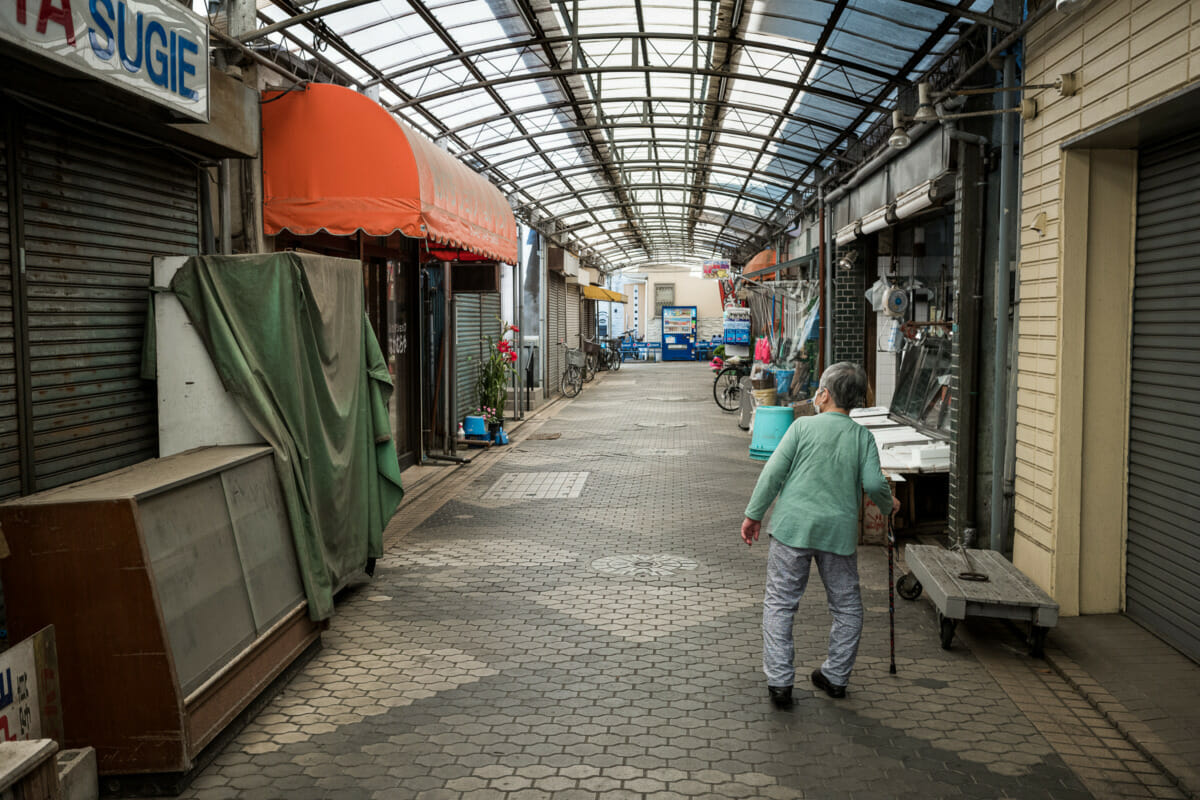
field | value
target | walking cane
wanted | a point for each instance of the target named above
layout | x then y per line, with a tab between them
891	543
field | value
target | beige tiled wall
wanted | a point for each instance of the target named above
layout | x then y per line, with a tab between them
1125	53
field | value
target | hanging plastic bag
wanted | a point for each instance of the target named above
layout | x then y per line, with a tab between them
875	295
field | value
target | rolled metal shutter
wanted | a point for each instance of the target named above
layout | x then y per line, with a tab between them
10	437
556	329
574	301
96	212
1163	548
589	317
467	352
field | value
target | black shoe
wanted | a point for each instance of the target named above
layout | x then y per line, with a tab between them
781	696
821	682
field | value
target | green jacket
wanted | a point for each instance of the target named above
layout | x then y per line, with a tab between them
819	471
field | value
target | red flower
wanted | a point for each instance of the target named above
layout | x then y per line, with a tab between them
512	356
514	329
502	345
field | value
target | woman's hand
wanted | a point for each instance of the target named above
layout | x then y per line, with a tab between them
895	505
750	529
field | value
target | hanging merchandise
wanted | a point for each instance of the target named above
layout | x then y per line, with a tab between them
894	337
896	301
876	294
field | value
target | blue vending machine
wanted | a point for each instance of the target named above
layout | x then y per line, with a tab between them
679	333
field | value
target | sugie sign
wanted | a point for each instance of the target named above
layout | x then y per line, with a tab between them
155	48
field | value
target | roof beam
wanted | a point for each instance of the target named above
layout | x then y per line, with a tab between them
963	13
616	126
830	26
901	76
561	72
541	42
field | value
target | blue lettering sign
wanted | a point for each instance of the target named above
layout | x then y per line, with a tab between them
186	46
130	64
6	689
157	62
104	52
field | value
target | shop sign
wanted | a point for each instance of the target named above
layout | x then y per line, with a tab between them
154	48
29	702
717	268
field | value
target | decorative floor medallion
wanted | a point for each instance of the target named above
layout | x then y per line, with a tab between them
660	565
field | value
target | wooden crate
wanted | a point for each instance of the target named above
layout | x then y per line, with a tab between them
175	595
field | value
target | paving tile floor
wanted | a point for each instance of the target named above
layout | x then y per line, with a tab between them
608	646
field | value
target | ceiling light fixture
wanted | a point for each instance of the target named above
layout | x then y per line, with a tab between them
899	138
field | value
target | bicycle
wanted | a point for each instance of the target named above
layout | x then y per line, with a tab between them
615	357
572	378
606	356
727	386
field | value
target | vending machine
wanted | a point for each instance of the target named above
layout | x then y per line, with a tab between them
679	333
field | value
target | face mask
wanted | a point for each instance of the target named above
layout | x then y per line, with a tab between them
814	402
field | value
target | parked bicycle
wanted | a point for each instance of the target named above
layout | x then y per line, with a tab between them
727	386
605	355
572	378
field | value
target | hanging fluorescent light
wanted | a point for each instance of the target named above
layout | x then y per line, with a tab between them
877	220
915	200
849	233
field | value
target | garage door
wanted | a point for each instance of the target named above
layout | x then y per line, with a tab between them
1163	550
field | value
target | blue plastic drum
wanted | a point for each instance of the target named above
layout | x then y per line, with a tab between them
770	424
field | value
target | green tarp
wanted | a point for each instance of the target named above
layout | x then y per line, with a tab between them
292	345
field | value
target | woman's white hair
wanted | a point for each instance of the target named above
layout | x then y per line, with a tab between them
846	383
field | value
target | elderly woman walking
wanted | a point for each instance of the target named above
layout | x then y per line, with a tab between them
818	473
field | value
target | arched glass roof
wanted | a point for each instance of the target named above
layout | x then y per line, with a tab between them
640	132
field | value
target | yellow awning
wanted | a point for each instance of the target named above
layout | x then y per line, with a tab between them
600	293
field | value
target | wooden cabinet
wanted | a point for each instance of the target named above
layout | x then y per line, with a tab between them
175	594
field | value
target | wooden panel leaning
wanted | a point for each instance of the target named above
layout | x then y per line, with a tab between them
175	596
28	770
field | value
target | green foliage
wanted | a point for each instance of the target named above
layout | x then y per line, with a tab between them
495	375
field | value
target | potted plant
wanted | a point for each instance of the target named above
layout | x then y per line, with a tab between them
491	419
495	374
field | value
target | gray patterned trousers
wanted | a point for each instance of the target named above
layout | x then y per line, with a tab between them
787	578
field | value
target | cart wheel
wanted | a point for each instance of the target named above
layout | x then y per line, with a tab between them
947	627
908	586
1037	641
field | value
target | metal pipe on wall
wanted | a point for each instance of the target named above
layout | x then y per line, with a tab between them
450	441
225	206
519	300
998	532
822	328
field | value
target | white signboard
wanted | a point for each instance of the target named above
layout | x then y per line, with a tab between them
154	48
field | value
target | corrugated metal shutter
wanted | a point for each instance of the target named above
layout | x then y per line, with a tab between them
96	212
467	352
10	443
556	329
1163	550
476	317
589	317
574	310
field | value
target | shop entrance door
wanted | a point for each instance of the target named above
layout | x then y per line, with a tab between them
403	353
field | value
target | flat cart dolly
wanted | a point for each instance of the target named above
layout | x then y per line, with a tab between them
977	583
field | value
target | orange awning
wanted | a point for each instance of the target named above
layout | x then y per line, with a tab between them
760	265
337	161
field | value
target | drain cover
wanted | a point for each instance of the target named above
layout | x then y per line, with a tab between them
546	436
636	565
537	486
